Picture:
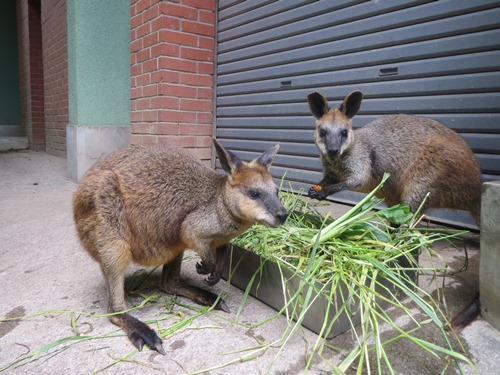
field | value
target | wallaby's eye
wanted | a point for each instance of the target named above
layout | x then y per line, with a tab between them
254	194
343	133
322	133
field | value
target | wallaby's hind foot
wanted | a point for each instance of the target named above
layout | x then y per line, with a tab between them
139	333
172	284
468	314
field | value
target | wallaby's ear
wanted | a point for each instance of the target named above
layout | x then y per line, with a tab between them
267	157
317	104
228	160
351	104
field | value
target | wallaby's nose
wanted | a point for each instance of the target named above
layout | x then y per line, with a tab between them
282	215
333	153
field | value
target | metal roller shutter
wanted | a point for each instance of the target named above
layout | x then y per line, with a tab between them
439	59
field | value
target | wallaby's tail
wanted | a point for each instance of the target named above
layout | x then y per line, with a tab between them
468	314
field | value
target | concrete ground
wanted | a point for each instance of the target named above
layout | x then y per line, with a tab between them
48	280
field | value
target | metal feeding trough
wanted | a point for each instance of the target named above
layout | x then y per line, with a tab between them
270	283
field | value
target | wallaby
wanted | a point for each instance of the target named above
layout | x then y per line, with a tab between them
422	155
149	204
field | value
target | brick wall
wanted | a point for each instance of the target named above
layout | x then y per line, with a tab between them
172	65
31	71
55	67
24	64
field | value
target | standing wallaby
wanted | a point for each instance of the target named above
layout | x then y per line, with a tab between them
422	155
149	204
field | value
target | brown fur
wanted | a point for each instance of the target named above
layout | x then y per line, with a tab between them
149	204
422	156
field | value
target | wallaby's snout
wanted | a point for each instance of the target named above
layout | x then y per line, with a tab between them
281	216
276	211
332	152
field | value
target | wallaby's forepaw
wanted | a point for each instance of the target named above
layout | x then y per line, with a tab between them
213	278
203	269
316	193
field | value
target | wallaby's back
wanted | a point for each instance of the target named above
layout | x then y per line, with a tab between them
421	154
147	191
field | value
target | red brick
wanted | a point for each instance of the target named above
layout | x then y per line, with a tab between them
142	30
150	65
136	116
136	92
165	128
143	103
151	13
150	39
198	28
165	102
165	76
150	116
202	4
206	16
165	49
150	90
165	22
195	105
178	141
180	91
204	118
177	116
136	21
198	129
136	70
181	11
205	93
206	42
205	68
143	79
136	45
177	64
178	37
196	79
202	153
197	54
140	127
144	54
202	141
55	74
142	5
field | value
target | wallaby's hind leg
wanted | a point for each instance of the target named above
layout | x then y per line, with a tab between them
172	284
113	268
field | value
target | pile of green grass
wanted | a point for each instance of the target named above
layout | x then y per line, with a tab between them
361	263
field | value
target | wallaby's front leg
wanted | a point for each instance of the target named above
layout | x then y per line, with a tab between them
215	275
138	332
172	284
327	186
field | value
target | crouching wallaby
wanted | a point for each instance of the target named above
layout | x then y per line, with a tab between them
149	204
422	155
